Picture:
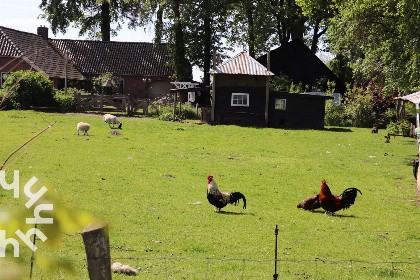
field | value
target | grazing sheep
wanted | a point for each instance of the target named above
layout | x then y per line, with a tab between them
123	268
81	126
108	118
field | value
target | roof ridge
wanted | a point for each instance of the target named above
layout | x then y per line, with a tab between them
101	42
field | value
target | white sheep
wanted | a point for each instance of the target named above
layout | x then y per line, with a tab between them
108	118
124	268
81	126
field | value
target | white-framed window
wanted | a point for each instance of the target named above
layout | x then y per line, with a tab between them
280	104
240	99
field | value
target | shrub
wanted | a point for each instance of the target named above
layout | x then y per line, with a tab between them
27	89
280	83
402	127
116	83
359	109
66	102
164	110
335	115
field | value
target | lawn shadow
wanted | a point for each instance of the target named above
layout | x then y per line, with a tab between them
338	129
232	213
333	215
342	216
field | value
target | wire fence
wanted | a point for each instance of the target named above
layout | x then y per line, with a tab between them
232	268
177	267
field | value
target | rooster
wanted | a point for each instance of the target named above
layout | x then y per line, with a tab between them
221	199
332	203
310	203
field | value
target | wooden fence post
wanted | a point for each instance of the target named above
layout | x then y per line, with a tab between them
129	105
96	240
180	104
196	110
101	100
78	100
174	116
145	106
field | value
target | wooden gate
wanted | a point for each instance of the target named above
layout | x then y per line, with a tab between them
110	103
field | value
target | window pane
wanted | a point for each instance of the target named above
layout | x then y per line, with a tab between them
240	99
280	104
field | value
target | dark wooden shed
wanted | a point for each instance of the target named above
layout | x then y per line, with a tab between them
296	110
241	96
240	92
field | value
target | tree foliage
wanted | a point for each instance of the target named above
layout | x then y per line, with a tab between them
382	40
93	17
319	14
372	39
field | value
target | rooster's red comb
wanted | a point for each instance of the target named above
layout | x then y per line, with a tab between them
210	177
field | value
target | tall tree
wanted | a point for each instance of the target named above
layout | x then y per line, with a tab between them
383	40
204	22
166	16
250	26
92	17
319	14
262	24
201	22
182	65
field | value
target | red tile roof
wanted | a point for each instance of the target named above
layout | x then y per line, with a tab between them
16	43
120	58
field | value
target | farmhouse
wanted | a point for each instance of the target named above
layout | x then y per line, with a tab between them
142	67
241	96
27	51
295	60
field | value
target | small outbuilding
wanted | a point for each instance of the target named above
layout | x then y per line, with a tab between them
241	96
297	110
240	92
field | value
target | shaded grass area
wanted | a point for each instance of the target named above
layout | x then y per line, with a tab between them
143	180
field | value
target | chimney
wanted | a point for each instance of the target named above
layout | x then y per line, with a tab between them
43	32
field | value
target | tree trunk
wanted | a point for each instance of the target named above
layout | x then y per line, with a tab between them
314	45
251	34
207	50
182	66
105	22
159	24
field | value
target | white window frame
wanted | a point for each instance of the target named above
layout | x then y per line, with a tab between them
233	100
280	104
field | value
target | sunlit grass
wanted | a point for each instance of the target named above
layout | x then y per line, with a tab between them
142	182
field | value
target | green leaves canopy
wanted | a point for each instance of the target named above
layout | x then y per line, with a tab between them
92	17
383	40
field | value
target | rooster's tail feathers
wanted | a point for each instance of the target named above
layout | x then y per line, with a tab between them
235	197
349	196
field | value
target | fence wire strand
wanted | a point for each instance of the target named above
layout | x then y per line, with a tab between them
176	267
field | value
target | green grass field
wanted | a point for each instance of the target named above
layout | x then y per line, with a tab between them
143	182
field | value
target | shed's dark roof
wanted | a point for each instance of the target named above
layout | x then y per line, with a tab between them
38	51
304	94
295	60
120	58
